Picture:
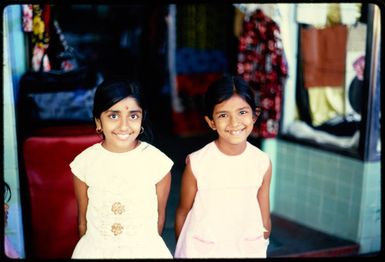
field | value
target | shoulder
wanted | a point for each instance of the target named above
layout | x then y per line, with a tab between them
151	150
86	156
207	149
260	156
258	152
155	161
84	160
89	151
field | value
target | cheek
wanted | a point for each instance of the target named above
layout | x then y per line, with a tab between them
137	123
252	122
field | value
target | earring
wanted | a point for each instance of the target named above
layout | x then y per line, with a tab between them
99	131
141	130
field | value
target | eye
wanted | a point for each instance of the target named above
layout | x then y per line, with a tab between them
135	116
222	115
243	112
113	116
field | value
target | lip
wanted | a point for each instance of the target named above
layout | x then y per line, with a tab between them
124	136
236	132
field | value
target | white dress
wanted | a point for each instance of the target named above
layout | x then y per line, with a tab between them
122	216
225	220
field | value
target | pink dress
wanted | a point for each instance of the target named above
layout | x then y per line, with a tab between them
225	220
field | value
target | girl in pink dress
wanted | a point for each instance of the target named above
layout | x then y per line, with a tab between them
224	203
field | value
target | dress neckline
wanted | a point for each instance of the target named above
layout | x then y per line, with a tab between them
229	156
140	146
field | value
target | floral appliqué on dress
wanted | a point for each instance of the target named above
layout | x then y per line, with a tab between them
117	208
117	229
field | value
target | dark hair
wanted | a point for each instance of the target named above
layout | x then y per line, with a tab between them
7	192
111	91
225	87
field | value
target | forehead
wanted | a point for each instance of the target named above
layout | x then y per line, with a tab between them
128	103
233	103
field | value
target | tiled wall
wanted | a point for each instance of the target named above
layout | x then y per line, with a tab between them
326	191
369	234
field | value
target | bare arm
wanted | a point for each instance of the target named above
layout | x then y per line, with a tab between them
264	201
162	191
82	201
188	191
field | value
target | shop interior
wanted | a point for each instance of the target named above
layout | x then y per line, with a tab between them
316	78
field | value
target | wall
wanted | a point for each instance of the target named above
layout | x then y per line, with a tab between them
331	193
369	231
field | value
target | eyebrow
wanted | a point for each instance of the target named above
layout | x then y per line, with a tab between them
131	111
239	109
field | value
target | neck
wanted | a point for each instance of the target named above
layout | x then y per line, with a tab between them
231	149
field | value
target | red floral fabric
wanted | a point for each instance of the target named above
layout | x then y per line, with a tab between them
262	63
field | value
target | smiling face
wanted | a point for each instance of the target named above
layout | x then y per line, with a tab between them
233	119
121	125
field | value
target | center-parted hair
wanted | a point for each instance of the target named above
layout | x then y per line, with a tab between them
225	87
110	92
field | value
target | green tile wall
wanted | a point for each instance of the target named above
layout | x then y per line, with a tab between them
327	191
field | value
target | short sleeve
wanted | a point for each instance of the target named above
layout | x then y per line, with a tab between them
162	164
77	167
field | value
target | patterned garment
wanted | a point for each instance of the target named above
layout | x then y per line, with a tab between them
27	18
40	37
262	63
203	26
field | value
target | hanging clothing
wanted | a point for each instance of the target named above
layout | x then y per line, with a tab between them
325	103
322	14
191	88
323	55
203	26
40	37
199	44
262	63
27	18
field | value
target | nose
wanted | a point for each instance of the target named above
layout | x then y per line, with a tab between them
234	120
124	124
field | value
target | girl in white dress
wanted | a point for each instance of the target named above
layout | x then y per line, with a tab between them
224	201
122	183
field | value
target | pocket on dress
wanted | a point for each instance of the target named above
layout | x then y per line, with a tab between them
254	246
202	245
